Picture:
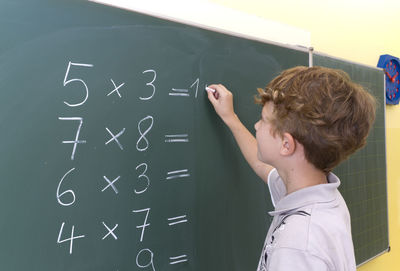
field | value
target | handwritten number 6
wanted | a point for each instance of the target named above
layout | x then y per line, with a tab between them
65	192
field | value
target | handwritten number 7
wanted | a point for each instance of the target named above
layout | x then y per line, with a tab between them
66	82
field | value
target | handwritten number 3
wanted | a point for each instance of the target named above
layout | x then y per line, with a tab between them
143	175
150	84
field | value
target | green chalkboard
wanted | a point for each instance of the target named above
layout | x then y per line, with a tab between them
112	157
363	176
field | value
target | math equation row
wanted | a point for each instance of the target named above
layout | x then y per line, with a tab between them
144	127
117	88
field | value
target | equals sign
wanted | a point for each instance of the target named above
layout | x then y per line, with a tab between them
177	220
177	174
176	138
179	92
178	259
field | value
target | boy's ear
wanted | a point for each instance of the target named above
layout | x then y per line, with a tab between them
288	144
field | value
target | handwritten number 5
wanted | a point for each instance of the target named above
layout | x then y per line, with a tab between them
66	82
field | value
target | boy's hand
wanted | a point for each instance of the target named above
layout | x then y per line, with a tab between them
222	100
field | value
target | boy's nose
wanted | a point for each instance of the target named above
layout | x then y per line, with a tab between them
256	125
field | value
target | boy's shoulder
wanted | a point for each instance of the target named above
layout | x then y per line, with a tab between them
293	230
310	233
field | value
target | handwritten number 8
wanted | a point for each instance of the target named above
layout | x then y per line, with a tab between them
143	134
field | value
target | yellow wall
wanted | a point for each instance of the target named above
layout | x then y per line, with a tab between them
357	30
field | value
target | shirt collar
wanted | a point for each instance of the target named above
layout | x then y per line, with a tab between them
321	193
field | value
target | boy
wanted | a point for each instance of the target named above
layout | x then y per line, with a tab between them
311	120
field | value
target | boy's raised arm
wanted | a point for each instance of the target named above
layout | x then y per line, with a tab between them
222	100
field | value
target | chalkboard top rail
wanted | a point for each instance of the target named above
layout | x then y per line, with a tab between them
201	14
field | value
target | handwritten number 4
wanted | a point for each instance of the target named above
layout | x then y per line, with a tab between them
71	239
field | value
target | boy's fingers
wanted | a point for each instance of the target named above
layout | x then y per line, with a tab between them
212	98
213	91
218	88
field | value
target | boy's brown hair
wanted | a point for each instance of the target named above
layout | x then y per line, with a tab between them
323	110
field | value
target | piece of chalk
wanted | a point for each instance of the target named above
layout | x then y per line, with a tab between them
210	89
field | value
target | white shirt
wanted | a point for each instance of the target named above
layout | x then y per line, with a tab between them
310	230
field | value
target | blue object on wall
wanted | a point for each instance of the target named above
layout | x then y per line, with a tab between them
391	67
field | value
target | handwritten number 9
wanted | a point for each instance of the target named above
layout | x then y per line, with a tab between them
65	192
66	82
150	84
150	263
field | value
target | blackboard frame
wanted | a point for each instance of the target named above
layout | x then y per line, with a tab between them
296	48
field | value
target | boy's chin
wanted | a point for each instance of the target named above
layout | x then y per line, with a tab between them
265	161
260	157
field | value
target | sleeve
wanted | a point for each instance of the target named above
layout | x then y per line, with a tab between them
276	186
288	259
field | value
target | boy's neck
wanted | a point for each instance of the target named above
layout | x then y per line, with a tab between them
301	177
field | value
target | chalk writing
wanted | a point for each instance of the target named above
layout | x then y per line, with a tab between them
183	173
145	256
66	82
116	89
111	184
145	224
176	138
76	141
71	239
115	137
150	263
110	231
196	85
178	259
59	195
184	92
143	176
179	92
143	134
177	220
150	84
